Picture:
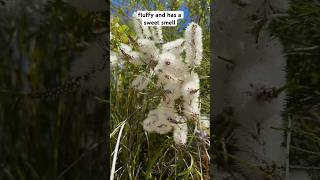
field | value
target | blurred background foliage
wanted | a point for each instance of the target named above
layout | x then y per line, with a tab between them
300	34
299	31
50	138
148	155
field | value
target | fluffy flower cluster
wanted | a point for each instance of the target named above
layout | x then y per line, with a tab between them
175	75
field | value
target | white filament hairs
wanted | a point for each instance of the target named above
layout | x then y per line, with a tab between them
193	38
141	81
174	74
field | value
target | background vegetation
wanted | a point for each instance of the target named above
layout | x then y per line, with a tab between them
52	138
299	32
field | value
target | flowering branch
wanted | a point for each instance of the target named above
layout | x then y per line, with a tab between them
175	74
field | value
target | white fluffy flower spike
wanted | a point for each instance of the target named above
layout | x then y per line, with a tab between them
142	31
193	37
175	76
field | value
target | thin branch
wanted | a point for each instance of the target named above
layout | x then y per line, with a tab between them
288	149
95	145
310	48
226	60
305	150
304	167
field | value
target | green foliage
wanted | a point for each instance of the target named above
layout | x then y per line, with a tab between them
120	31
